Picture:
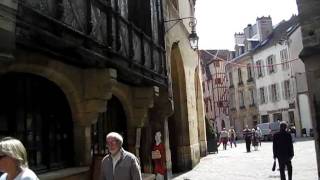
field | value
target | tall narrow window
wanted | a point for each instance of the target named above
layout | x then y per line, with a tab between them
230	79
241	96
240	76
284	59
271	66
249	69
251	97
203	87
232	100
274	92
286	89
262	95
259	68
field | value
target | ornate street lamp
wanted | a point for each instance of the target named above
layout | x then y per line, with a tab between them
193	37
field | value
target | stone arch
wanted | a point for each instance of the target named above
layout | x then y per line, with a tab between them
37	116
178	122
200	114
123	94
60	79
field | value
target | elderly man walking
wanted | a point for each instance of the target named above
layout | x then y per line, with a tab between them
119	164
283	150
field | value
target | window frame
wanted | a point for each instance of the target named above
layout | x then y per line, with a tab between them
284	56
249	69
259	68
271	66
241	99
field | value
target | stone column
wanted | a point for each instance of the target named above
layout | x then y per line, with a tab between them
167	146
82	144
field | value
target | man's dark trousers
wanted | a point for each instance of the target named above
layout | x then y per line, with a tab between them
248	145
282	165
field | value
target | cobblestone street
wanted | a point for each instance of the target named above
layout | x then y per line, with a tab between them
236	164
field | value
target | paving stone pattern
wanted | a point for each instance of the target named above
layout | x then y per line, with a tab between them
236	164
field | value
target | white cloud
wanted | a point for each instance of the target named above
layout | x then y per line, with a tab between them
218	20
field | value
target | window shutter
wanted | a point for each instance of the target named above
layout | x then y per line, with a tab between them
278	92
292	89
258	96
271	98
266	94
255	69
248	97
283	90
274	62
254	100
263	68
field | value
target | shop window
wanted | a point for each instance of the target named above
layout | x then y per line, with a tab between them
36	111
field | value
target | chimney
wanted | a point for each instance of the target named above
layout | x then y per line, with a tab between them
264	27
248	33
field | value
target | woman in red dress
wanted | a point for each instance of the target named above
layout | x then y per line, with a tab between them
159	157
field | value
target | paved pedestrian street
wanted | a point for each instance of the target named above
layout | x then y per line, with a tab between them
236	164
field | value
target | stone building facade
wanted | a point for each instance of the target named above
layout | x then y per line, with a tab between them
242	91
72	71
215	87
279	79
186	127
309	14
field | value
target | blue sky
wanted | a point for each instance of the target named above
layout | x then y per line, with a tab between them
218	20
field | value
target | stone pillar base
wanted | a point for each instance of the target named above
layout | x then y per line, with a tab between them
203	148
82	145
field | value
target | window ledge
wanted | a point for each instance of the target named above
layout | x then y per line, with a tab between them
59	174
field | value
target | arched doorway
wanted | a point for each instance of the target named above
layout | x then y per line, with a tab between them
178	122
113	120
36	111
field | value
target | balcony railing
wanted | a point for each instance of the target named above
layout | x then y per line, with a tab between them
91	34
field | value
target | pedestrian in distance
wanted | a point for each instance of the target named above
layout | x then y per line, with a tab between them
283	150
13	161
247	137
119	164
232	137
292	131
254	138
224	138
259	135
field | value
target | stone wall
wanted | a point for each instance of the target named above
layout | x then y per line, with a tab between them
180	54
309	14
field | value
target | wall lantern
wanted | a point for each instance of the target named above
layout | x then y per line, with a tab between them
193	37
